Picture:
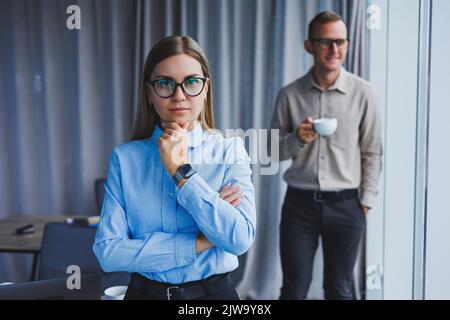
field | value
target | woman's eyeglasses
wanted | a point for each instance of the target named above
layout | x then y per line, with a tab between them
191	86
328	43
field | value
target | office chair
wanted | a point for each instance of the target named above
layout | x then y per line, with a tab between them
67	244
53	289
99	186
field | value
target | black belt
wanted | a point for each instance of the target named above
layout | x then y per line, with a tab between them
184	291
326	196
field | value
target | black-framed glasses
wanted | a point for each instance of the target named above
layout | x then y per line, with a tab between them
328	43
166	87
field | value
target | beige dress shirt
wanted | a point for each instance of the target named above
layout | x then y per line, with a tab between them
348	159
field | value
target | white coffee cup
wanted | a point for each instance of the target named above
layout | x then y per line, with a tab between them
325	126
115	293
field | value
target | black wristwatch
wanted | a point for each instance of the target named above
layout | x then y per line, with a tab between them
184	171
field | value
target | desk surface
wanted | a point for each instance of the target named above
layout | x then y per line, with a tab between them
28	243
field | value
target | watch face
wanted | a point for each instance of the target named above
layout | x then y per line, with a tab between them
184	169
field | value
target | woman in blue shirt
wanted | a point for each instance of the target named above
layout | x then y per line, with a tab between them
179	201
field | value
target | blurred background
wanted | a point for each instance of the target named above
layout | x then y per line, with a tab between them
69	96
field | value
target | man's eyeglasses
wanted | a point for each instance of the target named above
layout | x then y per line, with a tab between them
328	43
191	86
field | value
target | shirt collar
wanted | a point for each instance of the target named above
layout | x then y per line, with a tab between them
194	137
340	84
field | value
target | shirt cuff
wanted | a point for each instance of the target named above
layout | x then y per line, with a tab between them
294	144
367	199
188	195
185	248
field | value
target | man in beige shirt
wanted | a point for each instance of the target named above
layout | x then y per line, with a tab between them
332	183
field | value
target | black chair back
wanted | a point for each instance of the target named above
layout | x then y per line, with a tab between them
99	187
53	289
64	245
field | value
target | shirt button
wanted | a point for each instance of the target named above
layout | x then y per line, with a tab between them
322	178
322	157
171	194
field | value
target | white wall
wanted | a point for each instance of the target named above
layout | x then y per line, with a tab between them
408	233
375	221
437	264
393	71
400	147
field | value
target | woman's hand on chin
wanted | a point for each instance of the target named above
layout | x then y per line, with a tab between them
172	145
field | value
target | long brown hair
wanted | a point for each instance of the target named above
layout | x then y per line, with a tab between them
146	117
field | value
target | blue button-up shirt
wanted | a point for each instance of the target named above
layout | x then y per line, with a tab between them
149	226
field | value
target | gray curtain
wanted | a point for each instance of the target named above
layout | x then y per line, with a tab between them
67	97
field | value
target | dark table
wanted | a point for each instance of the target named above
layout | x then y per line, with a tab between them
28	243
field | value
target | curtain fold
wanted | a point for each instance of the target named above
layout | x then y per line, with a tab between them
68	97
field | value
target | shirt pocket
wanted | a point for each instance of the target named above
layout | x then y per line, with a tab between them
347	133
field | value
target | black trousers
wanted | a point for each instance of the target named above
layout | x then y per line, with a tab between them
340	225
139	291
